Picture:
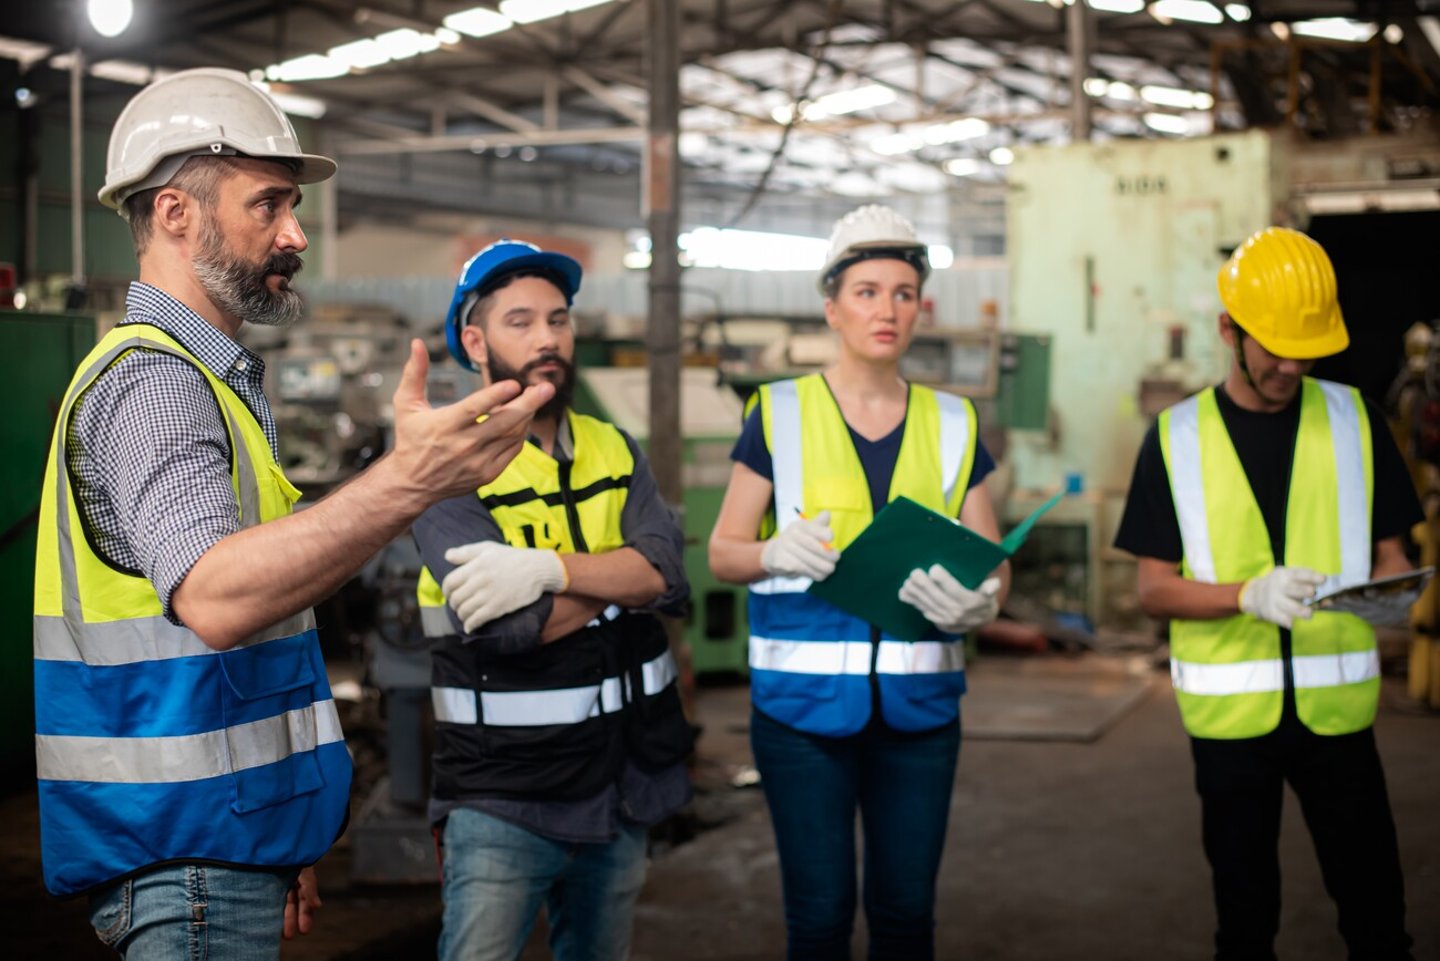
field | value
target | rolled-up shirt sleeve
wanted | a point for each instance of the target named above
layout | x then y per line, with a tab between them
152	460
464	520
649	526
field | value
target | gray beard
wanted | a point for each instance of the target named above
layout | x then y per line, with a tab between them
239	288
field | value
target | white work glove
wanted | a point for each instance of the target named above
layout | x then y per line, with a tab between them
802	549
948	604
1279	597
493	579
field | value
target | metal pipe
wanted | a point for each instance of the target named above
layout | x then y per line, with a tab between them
662	214
77	171
1078	21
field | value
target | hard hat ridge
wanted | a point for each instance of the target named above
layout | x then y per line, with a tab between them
204	112
484	271
869	231
1279	287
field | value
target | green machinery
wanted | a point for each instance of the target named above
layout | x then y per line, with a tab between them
710	413
44	350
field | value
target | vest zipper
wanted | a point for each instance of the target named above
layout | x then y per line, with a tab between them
572	515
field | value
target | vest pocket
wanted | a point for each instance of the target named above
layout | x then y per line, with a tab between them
270	724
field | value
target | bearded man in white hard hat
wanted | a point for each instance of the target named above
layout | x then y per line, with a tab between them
190	761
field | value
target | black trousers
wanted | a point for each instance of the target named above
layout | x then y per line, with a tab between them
1341	788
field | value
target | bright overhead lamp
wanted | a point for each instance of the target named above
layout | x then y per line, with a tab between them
1238	12
109	17
1167	123
297	105
752	249
1194	11
896	143
312	66
967	128
941	256
1335	28
1176	97
837	103
403	43
1394	33
528	11
359	54
1002	156
478	22
962	167
1095	86
1117	6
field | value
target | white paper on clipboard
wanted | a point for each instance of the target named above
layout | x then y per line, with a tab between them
1383	601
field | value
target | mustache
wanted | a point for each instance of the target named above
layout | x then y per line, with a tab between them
285	264
550	358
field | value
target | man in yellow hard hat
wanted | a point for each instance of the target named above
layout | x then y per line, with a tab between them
1247	498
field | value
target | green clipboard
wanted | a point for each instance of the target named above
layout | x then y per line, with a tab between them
903	536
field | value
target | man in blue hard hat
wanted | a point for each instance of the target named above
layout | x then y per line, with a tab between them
559	732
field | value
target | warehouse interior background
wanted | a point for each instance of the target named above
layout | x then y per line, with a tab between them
1079	169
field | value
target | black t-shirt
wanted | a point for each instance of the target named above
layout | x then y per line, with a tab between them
1265	444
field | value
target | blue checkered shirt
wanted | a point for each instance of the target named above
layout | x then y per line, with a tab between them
148	451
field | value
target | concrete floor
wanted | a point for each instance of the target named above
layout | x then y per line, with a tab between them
1059	849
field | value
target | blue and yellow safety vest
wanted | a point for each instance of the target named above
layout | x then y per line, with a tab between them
811	663
150	746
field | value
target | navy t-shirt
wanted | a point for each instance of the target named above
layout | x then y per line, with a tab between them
877	457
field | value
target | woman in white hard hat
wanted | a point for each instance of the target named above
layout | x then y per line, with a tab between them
845	715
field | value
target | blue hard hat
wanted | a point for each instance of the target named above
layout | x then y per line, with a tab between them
493	264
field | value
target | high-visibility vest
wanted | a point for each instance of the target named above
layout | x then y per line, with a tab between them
811	663
555	722
1229	674
150	746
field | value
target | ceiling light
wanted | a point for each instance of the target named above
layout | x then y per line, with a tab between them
528	11
1281	30
1119	90
848	101
405	42
964	129
1335	28
1096	86
1167	123
1238	12
962	166
1117	6
24	97
446	36
940	256
359	54
297	105
109	17
478	22
1175	97
752	249
1394	33
312	66
1002	156
1195	11
896	143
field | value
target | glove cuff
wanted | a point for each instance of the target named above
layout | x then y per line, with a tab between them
558	579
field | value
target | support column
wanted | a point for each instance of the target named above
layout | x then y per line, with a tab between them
662	213
1078	22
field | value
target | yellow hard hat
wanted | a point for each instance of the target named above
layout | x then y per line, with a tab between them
1279	286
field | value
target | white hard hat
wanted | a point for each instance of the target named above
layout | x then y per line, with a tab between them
873	230
204	112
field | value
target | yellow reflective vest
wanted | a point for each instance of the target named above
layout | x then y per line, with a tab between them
150	746
1229	674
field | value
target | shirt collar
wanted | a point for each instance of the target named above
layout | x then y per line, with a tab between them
224	356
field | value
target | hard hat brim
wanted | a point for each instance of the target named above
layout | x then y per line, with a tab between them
1309	348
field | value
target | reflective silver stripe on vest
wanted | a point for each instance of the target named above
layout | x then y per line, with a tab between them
1260	677
134	640
920	657
189	757
786	457
435	621
1345	414
810	657
954	439
458	705
1187	487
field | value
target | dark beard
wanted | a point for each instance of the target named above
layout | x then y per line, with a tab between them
239	287
564	387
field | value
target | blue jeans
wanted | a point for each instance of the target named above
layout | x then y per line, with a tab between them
497	875
194	912
901	784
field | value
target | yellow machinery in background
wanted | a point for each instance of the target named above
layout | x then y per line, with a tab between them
1414	404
